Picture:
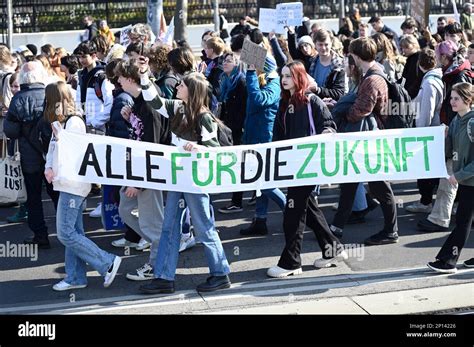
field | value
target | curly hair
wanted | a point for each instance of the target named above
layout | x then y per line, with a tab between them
158	56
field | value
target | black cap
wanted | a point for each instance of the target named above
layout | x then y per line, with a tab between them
32	48
374	19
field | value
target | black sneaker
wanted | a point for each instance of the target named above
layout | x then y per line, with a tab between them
469	263
253	200
382	238
258	227
426	226
442	267
214	283
42	243
232	208
158	286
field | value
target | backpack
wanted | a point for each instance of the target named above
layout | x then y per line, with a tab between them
398	99
99	80
224	133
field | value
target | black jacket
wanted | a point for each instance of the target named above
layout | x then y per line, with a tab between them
335	85
240	29
413	75
26	109
155	127
233	110
298	124
214	77
117	126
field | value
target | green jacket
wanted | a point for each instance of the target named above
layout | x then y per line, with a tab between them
466	21
460	147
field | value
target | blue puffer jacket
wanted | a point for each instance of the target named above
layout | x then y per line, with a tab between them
25	109
262	107
117	126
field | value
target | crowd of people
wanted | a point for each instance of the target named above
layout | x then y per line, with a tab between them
314	81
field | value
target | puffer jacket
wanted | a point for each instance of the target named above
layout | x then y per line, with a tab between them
117	126
26	108
262	107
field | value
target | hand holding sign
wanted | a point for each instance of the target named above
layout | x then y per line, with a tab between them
253	54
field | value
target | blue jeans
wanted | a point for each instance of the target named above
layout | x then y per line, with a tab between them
360	201
79	249
261	205
168	250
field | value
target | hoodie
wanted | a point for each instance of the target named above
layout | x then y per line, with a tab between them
460	146
429	99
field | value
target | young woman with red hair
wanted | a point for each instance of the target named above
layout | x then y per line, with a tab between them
301	114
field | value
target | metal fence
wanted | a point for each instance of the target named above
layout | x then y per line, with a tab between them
49	15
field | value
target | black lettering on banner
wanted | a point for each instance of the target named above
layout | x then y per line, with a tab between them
259	168
267	164
129	167
90	152
278	164
108	154
150	167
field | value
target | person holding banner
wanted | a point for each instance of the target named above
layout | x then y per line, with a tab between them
459	147
191	123
302	115
372	98
61	113
263	88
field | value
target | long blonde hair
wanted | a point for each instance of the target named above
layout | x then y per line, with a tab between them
59	102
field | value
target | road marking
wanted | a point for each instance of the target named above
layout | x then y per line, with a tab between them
242	290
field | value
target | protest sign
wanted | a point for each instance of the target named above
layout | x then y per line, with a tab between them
267	20
253	54
384	155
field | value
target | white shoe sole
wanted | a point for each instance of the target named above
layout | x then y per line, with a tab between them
117	262
81	286
286	273
450	271
133	277
188	246
468	266
142	248
130	245
230	211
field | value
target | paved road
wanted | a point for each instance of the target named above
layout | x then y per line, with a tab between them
26	285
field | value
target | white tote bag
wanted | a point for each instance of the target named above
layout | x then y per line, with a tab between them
12	182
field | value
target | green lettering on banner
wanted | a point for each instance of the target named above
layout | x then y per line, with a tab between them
301	174
406	154
323	160
175	167
387	152
367	155
425	140
348	157
195	170
227	168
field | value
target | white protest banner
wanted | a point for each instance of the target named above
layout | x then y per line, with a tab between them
168	39
124	39
391	155
253	54
267	20
289	14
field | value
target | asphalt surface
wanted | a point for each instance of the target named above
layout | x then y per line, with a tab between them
25	284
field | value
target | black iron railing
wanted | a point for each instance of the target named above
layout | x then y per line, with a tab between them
49	15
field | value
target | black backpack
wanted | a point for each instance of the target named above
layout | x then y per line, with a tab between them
224	133
398	99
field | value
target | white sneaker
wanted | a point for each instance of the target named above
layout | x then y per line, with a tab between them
323	263
143	273
97	212
142	245
135	213
63	285
122	243
278	272
418	207
187	241
110	275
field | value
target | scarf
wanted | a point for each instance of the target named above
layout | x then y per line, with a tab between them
229	83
